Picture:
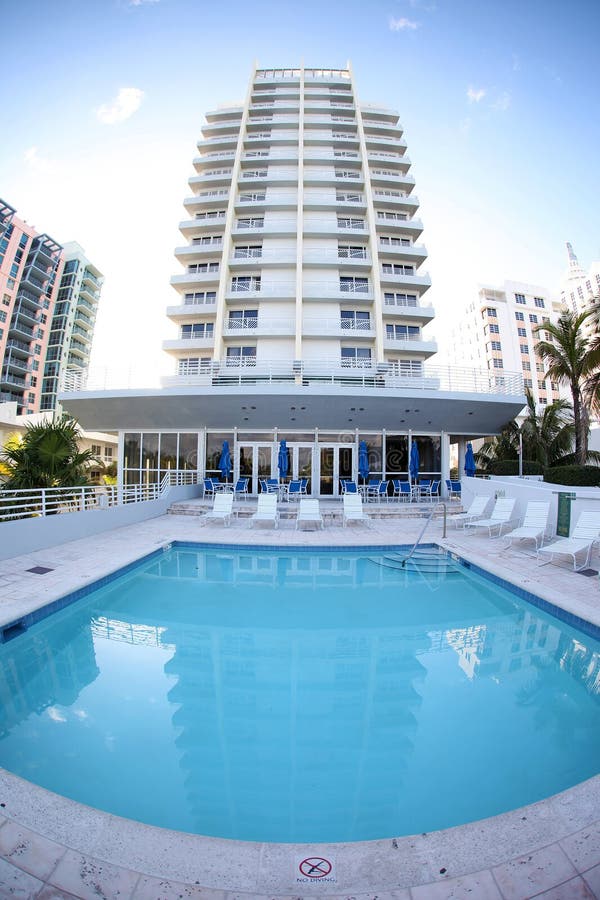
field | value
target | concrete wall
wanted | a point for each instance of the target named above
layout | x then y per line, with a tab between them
30	535
525	489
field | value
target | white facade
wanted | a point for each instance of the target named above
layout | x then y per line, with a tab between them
497	332
302	237
579	288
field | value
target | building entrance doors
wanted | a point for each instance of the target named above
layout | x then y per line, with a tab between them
336	461
254	461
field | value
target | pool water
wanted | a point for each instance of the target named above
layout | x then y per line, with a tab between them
300	696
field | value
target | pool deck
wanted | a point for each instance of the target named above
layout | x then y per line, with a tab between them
53	848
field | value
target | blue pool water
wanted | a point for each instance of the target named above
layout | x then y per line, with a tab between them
300	696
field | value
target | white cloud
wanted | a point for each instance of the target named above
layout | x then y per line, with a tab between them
403	24
38	163
124	105
503	101
475	94
55	714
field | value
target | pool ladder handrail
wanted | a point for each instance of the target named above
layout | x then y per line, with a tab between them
423	529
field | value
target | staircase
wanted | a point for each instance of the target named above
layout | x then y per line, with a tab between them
427	561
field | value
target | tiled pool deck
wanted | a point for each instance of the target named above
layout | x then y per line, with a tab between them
51	848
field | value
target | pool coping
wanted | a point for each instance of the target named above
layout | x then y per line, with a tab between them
560	824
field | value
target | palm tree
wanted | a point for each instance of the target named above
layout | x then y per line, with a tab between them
548	434
47	455
503	446
573	358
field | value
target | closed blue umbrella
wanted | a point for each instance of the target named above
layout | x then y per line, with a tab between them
225	461
470	467
282	460
413	466
363	460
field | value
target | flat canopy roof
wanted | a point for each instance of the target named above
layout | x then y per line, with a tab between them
289	407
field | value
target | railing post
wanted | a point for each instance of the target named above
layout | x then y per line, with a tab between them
43	501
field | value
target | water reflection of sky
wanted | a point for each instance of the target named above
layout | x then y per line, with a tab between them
225	695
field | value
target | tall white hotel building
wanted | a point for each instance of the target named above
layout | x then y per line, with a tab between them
301	310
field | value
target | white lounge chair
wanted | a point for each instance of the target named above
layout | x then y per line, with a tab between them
267	510
475	511
501	515
309	511
585	534
534	525
353	510
222	509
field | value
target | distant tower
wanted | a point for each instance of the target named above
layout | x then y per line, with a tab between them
578	287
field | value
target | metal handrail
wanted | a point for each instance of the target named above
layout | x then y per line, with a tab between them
423	529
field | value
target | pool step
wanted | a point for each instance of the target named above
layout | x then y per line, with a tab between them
423	561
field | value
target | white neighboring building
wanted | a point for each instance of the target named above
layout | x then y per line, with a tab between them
496	333
578	287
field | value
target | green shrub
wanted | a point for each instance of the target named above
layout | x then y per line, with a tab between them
511	467
583	476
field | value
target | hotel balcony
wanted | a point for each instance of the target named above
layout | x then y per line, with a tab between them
398	180
222	142
377	142
411	345
389	200
262	326
185	345
225	127
267	138
191	280
415	253
348	259
373	111
19	348
389	160
328	199
331	290
278	227
273	201
18	329
191	227
208	160
191	252
274	290
281	154
207	200
324	228
183	312
406	281
338	328
291	104
329	155
327	137
199	181
413	226
342	182
418	314
225	112
275	175
252	259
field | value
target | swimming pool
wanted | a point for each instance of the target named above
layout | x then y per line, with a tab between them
237	701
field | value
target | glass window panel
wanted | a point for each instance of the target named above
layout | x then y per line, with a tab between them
430	458
396	454
132	451
255	436
150	450
214	446
374	444
168	451
304	437
188	451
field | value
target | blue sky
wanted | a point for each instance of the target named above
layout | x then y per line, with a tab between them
103	102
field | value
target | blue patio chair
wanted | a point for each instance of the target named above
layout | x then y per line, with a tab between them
382	491
209	488
424	487
272	485
349	487
454	489
262	484
294	490
402	489
304	483
434	490
241	488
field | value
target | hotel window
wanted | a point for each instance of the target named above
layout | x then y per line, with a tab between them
197	330
208	239
496	345
202	268
524	348
199	297
533	318
391	298
539	302
494	329
498	364
392	216
349	222
2	316
539	367
397	269
244	283
490	312
519	317
6	299
543	400
402	332
347	197
527	382
520	298
248	251
347	173
387	241
253	154
352	285
522	332
554	385
588	285
193	365
526	366
255	173
251	222
96	449
542	385
243	319
353	320
347	251
356	357
241	356
108	452
253	197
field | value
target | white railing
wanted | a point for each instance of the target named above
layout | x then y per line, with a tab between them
381	375
39	502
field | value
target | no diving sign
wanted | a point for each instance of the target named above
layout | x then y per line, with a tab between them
314	869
